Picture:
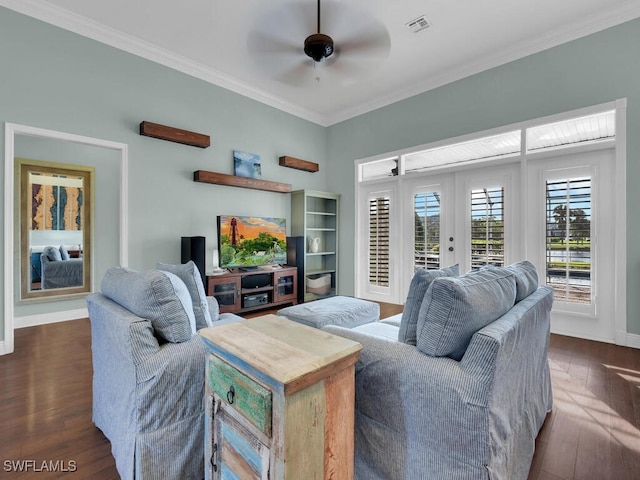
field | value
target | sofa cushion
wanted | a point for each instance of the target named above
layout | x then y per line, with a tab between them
191	277
526	277
417	290
64	253
153	295
52	253
454	308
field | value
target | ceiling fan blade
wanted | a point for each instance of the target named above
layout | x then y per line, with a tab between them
355	32
292	20
371	45
345	72
263	43
299	75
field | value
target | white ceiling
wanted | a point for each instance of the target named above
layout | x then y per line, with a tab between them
223	42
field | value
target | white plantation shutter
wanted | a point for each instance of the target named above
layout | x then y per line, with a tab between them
379	241
568	262
487	227
426	228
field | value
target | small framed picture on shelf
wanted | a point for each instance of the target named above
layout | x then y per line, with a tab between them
246	164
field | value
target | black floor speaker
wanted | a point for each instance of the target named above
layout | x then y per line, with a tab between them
295	258
193	248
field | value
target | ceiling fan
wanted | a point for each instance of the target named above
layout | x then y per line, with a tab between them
350	44
318	46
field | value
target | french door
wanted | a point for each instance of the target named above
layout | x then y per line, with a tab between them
572	239
467	217
561	219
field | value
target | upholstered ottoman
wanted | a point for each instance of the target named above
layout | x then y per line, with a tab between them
342	311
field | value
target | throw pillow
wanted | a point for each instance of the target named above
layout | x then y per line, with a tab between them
417	290
153	295
52	253
526	278
191	277
64	254
454	308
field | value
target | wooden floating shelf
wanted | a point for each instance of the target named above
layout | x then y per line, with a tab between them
298	164
203	176
171	134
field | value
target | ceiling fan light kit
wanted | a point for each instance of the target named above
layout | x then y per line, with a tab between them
318	46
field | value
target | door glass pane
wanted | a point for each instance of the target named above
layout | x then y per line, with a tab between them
569	239
379	241
487	227
426	213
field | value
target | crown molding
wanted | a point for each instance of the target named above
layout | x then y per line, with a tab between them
68	20
75	23
515	52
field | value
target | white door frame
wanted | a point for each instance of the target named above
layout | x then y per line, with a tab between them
10	132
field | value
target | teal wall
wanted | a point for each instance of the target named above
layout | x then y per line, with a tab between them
599	68
54	79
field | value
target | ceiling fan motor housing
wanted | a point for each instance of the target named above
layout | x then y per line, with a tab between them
318	46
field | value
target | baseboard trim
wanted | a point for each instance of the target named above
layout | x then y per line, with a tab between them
45	318
633	340
3	348
623	339
595	338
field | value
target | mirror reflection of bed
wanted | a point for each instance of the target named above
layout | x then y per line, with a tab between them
55	226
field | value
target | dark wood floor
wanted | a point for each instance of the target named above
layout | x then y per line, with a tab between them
45	409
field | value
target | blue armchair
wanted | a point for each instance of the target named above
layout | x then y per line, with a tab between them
149	368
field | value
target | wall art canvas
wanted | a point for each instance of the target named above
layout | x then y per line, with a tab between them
246	164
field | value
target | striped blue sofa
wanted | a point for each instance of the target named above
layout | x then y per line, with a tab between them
458	386
149	369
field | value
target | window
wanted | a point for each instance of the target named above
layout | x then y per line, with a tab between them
581	130
379	241
426	212
485	148
543	190
568	243
379	169
487	227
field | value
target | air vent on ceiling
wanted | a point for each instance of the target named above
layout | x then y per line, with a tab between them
419	24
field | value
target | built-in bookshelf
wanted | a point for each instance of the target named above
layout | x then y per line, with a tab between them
314	216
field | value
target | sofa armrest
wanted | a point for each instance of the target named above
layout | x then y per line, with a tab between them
137	378
411	408
170	384
214	308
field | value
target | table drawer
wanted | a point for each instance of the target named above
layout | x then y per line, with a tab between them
246	396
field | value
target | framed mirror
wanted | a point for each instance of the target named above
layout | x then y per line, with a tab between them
56	224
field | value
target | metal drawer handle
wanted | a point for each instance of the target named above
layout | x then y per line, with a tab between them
214	463
231	395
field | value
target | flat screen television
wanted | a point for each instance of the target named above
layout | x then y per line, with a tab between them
251	242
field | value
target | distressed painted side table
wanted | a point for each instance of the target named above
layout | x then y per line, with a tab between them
279	401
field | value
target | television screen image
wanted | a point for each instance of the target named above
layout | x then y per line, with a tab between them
246	241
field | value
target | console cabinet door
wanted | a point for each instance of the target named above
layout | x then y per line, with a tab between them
285	286
236	452
226	290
